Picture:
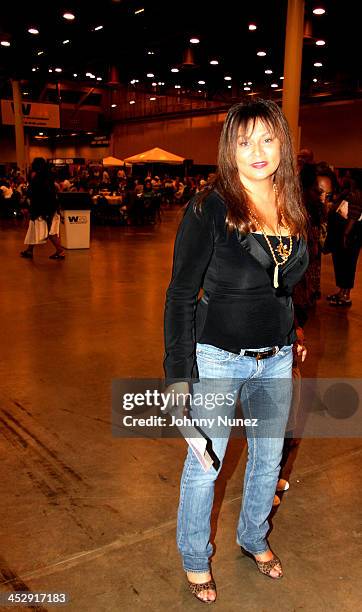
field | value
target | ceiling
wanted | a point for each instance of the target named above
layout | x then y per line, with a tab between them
155	40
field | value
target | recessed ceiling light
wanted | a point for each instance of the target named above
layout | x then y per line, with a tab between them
33	31
100	27
214	62
281	78
50	70
138	11
320	43
252	26
33	69
65	42
318	64
194	41
199	91
201	82
150	52
268	71
92	76
41	133
246	88
132	101
25	93
175	70
58	70
261	53
150	75
227	78
249	83
177	86
229	86
113	105
68	16
154	84
315	80
152	99
319	11
40	53
274	85
160	83
75	75
5	43
99	78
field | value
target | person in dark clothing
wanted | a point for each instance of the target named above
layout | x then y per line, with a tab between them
243	240
44	219
344	235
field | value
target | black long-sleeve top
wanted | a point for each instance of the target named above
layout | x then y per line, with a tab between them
240	307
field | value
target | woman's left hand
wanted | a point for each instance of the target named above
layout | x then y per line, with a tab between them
299	346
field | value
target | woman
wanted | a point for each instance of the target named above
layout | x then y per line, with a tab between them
44	219
243	240
344	240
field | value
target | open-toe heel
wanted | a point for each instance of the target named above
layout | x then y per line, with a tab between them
265	567
196	589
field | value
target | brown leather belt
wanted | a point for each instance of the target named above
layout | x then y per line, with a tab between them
262	354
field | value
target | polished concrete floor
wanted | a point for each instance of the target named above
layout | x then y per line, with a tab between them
92	515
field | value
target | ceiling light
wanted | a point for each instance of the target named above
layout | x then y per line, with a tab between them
65	42
318	64
132	101
33	69
268	71
227	78
154	84
33	31
113	105
320	43
252	26
89	133
249	83
229	86
194	41
319	11
25	93
160	83
58	70
150	75
41	133
175	70
92	76
246	88
201	82
99	78
138	11
214	62
88	74
281	78
75	75
315	80
274	85
73	134
69	16
50	70
100	27
150	52
5	43
261	53
152	99
40	53
177	86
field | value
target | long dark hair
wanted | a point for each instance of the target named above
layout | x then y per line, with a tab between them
227	181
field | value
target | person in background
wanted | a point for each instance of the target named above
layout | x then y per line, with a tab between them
43	207
344	239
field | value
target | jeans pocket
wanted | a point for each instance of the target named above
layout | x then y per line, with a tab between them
285	350
213	353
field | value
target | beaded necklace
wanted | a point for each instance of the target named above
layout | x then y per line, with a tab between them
282	250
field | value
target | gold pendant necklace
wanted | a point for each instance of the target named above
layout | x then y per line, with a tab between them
283	251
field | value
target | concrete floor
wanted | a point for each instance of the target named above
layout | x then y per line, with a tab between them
94	516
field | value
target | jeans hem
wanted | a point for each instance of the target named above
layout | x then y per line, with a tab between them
253	552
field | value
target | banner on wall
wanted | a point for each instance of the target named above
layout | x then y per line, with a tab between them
35	114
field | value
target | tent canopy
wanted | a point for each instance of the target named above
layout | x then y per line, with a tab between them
155	155
112	161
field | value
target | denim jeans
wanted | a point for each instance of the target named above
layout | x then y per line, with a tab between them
264	387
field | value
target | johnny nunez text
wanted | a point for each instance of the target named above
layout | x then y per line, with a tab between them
158	421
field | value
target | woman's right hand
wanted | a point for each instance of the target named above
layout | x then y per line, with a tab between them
178	400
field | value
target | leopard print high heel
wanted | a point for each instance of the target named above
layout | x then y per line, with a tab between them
265	567
196	589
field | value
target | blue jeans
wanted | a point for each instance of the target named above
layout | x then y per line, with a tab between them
264	387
